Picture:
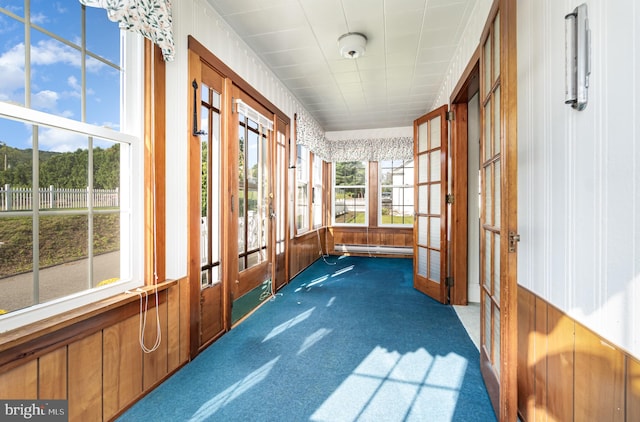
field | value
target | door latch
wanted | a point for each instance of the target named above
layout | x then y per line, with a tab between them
514	238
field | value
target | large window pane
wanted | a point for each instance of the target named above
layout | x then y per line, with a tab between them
302	188
55	77
350	193
61	215
317	191
395	186
61	18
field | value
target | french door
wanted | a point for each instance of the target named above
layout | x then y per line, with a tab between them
206	249
255	205
429	238
498	238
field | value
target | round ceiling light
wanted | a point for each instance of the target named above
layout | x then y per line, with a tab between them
352	45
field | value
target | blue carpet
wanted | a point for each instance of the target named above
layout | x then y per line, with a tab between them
344	342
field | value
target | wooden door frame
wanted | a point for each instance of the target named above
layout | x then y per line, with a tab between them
507	405
509	214
459	223
199	55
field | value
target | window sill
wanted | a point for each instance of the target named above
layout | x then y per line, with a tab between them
34	340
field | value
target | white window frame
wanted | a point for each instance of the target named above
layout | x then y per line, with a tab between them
366	197
131	182
302	179
316	192
393	186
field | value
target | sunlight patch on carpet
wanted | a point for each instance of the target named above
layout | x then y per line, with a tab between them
288	324
313	339
388	385
209	408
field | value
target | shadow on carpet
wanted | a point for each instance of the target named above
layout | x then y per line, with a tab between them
353	341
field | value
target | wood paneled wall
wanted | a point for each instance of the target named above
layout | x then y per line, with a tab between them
374	236
567	372
100	368
304	250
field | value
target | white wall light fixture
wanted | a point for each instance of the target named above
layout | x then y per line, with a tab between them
352	45
577	57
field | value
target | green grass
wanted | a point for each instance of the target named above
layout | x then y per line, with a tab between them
62	239
351	217
397	219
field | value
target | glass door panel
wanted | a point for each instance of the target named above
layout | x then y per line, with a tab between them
431	182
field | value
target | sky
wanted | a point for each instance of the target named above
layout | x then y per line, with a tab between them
56	75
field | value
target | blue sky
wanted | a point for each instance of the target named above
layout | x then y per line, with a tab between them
56	76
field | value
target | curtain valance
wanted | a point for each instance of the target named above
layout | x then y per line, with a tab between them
150	18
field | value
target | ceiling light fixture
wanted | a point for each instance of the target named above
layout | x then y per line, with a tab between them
352	45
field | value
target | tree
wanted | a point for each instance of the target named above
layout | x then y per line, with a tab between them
350	173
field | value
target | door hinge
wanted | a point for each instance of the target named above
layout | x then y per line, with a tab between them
451	116
514	238
449	198
448	281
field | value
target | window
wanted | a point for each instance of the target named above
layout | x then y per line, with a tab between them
210	270
395	193
350	193
253	191
317	192
70	189
302	189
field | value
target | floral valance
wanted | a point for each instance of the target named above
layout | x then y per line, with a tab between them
310	134
150	18
375	148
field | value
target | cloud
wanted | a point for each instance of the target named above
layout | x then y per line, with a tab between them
39	18
12	71
48	52
60	140
45	100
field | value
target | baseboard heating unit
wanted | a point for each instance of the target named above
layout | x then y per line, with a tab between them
373	249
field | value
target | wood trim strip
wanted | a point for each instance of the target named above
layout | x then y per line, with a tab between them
509	223
458	222
459	93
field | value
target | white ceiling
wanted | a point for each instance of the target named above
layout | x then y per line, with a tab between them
410	44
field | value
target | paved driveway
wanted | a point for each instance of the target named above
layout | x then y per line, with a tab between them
16	292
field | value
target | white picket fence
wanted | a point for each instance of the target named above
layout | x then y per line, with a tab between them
21	199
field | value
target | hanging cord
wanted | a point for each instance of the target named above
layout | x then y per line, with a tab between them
143	313
324	257
142	325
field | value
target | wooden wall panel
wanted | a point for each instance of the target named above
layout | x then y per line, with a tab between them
173	328
599	379
526	330
20	382
538	359
633	390
85	379
122	366
560	365
52	375
155	363
373	236
304	251
566	372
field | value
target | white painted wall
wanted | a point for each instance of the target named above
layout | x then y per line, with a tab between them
579	172
468	44
199	19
